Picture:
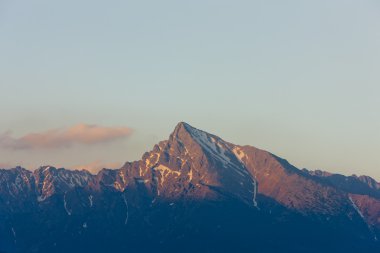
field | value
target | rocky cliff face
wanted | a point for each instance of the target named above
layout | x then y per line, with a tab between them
193	184
190	165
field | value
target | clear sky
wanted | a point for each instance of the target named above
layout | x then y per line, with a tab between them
100	82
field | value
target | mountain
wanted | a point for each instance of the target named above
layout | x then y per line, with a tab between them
194	192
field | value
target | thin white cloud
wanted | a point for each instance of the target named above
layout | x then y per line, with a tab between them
66	137
5	165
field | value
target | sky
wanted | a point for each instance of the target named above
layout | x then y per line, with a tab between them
87	84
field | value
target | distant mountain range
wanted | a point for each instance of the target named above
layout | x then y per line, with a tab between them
192	193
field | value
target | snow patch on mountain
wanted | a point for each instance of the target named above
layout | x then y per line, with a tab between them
356	207
255	193
90	198
126	204
212	146
65	205
190	175
239	153
165	172
14	234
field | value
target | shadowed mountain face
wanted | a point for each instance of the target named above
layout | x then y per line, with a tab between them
192	193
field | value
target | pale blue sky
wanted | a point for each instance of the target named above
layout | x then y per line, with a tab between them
298	78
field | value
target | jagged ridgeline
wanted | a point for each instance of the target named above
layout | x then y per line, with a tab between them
192	193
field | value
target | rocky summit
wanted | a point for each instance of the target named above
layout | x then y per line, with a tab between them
194	192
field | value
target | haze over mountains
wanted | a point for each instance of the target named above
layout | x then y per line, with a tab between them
194	192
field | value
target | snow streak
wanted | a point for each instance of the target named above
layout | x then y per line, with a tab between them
126	204
65	205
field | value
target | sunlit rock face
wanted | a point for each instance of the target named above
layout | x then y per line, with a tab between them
190	165
187	188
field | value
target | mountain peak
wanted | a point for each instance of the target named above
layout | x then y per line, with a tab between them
45	168
183	132
183	123
182	126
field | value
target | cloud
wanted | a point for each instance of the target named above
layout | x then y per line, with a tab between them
66	137
5	165
96	166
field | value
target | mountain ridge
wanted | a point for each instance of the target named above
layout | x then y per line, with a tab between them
195	171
